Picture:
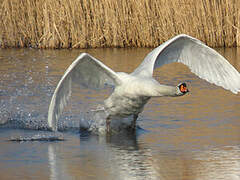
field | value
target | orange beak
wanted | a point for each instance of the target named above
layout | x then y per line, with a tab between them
183	89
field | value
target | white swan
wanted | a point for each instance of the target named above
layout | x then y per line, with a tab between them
132	91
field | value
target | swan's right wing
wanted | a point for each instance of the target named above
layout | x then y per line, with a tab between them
86	71
202	60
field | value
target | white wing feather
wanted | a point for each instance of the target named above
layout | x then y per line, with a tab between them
201	59
85	70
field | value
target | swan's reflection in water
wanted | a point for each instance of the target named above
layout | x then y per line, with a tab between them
124	157
98	157
57	169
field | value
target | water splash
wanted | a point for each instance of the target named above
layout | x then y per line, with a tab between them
39	137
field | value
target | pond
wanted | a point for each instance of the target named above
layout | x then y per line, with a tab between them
196	136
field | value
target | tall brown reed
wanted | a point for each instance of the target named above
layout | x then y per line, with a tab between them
109	23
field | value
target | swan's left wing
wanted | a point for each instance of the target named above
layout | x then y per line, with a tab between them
201	59
86	71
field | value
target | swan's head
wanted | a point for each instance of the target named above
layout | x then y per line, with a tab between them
182	89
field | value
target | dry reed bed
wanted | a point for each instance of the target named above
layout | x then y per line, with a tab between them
110	23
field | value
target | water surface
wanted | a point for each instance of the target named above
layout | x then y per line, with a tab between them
196	136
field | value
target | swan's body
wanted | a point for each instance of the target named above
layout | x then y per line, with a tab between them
132	91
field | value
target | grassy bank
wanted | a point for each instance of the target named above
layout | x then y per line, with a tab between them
110	23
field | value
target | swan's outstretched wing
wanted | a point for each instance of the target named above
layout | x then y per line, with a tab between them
85	70
201	59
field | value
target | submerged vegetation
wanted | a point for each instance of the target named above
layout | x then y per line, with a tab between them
109	23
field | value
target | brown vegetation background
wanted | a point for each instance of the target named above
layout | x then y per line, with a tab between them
113	23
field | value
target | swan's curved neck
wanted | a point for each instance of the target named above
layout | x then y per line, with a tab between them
164	90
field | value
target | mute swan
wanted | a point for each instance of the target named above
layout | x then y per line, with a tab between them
132	91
